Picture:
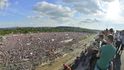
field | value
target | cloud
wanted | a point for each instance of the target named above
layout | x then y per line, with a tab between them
34	17
72	1
108	0
3	4
90	20
71	12
85	6
53	11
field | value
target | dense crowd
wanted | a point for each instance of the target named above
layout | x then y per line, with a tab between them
25	51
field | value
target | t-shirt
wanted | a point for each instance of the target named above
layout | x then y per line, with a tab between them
106	55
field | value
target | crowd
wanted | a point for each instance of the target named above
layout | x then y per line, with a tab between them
101	54
25	51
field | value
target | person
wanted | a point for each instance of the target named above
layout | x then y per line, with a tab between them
76	63
106	32
106	54
66	67
122	42
102	41
118	41
111	32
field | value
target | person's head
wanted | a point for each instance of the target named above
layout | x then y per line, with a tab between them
101	37
110	39
103	32
106	30
111	31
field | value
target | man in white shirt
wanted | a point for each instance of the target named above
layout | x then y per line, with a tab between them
122	41
102	40
118	41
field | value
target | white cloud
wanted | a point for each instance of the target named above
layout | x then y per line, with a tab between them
108	0
100	9
3	4
53	11
72	1
65	13
90	20
85	6
122	7
114	12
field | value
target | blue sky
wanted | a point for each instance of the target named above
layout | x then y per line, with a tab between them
93	14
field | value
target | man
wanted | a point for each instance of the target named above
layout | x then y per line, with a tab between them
102	41
122	42
118	41
106	54
111	32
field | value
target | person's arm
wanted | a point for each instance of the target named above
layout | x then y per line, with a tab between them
98	55
99	52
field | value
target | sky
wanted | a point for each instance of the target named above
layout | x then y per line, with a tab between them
92	14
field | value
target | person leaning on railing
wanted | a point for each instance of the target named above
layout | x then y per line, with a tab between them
106	54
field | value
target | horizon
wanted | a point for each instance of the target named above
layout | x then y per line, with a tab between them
99	14
58	26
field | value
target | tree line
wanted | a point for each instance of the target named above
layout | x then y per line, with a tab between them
25	30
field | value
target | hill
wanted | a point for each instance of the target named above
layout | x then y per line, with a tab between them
24	30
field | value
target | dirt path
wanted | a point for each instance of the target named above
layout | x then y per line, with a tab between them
57	65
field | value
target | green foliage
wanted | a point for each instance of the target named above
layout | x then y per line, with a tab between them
26	30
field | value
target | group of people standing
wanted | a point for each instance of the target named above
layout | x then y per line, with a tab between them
110	43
